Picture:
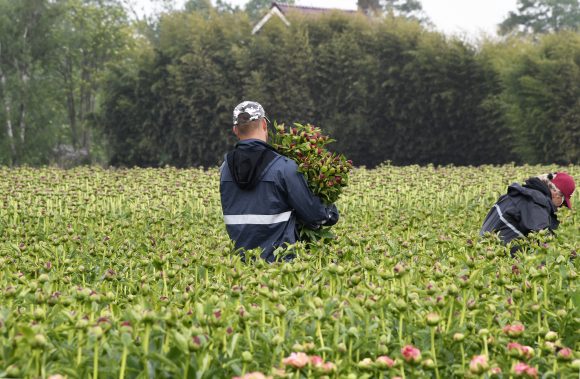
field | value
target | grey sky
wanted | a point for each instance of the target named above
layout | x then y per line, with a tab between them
465	17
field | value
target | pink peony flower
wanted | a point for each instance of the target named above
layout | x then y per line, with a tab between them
297	360
520	351
315	361
565	354
515	330
522	370
532	372
495	371
478	364
328	368
411	354
384	362
527	352
253	375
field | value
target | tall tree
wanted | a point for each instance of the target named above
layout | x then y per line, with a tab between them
24	40
92	33
542	88
411	9
203	6
542	16
370	7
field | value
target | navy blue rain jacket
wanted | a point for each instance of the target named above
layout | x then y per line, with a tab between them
522	210
264	198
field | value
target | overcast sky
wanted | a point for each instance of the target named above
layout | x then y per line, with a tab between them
466	17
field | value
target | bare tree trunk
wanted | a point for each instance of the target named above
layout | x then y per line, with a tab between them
70	100
22	67
87	102
7	109
24	78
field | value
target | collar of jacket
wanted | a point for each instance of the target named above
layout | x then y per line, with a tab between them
252	143
539	197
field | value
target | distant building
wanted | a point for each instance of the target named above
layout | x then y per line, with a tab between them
282	11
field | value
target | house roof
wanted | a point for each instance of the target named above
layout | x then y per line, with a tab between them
281	10
287	8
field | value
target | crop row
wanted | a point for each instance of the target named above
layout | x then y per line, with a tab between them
129	273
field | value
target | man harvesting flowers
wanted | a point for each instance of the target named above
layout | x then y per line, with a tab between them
530	207
263	195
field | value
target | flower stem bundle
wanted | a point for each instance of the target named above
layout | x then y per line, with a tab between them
326	173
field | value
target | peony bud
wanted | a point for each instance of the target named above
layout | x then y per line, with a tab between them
565	354
478	364
551	336
384	362
411	354
366	364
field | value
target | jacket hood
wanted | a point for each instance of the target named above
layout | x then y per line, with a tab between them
534	189
248	162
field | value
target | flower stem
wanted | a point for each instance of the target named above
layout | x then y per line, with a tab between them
319	332
249	338
464	299
123	362
37	362
402	372
485	351
401	329
433	352
146	347
80	348
462	356
96	360
546	292
350	349
450	315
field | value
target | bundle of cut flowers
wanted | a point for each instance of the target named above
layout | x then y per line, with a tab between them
326	173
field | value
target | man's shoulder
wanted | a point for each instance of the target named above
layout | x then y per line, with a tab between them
283	163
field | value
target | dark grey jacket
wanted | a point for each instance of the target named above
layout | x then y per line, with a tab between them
265	197
522	210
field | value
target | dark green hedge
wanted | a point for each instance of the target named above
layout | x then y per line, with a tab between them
385	90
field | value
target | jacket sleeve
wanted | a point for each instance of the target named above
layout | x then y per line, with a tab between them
309	208
534	217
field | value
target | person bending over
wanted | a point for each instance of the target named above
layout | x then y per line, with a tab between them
530	207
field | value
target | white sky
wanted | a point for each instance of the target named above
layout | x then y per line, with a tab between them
465	17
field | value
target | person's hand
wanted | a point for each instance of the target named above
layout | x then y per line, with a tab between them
312	226
332	215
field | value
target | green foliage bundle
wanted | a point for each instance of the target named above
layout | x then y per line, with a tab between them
326	173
